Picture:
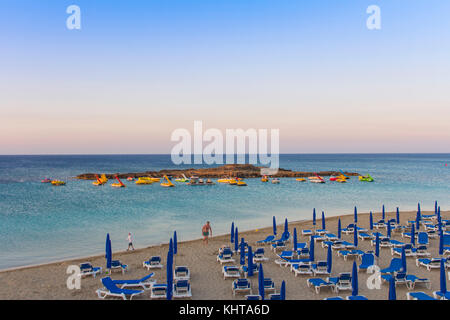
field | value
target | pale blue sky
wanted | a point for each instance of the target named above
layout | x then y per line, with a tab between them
138	70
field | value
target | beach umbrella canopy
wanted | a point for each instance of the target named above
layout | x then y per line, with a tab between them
392	293
108	252
274	222
242	252
377	245
443	280
398	215
355	236
169	271
389	229
311	249
283	291
413	235
250	262
323	220
339	228
439	213
354	279
435	207
175	243
232	233
261	281
355	218
295	239
286	230
371	220
441	242
314	216
384	213
417	223
329	260
403	260
418	210
236	238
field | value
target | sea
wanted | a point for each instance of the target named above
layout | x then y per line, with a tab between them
41	223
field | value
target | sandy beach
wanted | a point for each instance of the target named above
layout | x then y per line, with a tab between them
49	281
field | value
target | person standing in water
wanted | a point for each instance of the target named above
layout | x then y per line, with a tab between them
130	241
206	232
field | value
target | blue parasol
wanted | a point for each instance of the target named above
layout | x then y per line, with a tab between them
403	260
314	216
329	260
169	271
441	242
355	218
250	262
323	220
392	293
175	243
355	236
377	245
413	235
108	252
371	220
311	249
398	215
261	281
339	229
232	233
286	229
354	279
274	226
283	291
242	252
443	280
384	213
389	229
295	239
236	238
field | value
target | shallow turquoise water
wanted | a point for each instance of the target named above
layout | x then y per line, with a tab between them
41	223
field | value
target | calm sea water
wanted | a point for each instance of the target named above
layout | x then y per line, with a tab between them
41	223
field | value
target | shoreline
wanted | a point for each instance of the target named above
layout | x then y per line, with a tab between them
96	256
49	280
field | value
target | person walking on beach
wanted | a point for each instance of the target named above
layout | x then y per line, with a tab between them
130	241
206	232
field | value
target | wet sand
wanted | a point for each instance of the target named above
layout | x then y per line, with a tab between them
49	281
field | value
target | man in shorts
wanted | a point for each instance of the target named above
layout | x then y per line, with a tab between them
206	232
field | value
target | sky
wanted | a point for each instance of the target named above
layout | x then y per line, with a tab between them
138	70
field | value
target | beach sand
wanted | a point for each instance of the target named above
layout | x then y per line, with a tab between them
207	283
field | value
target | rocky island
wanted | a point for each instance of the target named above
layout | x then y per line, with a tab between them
228	170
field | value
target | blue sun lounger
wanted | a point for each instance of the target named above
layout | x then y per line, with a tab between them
320	268
422	238
433	263
334	298
350	253
86	269
231	272
356	298
441	296
152	263
253	297
395	266
342	282
418	296
117	265
241	285
365	236
158	291
367	261
267	240
145	282
412	280
301	268
111	290
319	283
399	278
182	289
